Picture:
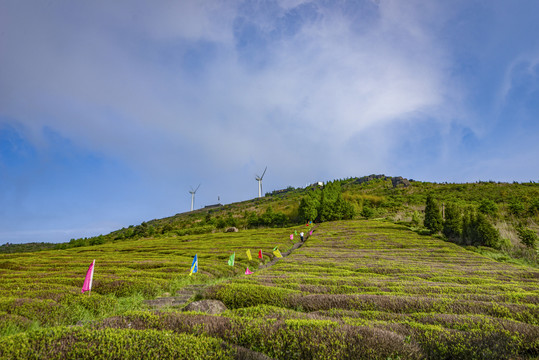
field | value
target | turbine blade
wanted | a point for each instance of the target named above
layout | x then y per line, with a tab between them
263	173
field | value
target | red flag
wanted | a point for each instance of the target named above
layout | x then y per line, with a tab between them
260	254
87	285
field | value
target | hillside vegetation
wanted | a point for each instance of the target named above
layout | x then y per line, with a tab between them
355	289
386	274
467	213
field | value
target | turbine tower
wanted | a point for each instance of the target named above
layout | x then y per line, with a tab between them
259	179
193	192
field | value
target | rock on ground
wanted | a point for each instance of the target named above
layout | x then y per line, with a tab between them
211	307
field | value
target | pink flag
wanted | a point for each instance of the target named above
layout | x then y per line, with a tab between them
87	286
291	236
248	272
310	232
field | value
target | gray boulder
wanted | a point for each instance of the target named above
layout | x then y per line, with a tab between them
211	307
400	181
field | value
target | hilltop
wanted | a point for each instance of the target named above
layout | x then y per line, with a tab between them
509	207
512	209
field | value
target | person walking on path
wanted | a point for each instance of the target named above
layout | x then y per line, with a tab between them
301	235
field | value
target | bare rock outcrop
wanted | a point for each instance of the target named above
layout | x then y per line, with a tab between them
212	307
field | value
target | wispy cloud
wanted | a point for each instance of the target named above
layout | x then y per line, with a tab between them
122	81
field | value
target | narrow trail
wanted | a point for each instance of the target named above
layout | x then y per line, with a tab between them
285	254
186	293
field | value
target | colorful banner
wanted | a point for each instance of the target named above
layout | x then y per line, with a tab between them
248	272
248	252
277	253
231	260
194	265
87	285
291	236
260	254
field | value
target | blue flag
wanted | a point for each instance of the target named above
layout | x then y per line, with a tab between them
194	265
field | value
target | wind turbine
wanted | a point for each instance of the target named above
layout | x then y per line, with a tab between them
193	192
259	179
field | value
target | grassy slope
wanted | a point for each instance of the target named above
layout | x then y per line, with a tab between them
366	289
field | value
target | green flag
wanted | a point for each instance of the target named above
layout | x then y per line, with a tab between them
231	260
295	232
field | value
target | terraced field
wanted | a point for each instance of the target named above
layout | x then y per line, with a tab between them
355	289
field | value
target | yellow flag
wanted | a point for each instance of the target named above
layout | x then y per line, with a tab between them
249	254
277	253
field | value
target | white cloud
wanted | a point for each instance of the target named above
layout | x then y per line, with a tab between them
116	83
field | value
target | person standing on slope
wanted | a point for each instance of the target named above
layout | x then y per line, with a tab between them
301	235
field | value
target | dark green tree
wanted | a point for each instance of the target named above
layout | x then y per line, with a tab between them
469	233
252	219
515	207
433	216
267	217
487	234
308	207
346	209
528	237
452	227
367	212
533	209
329	204
488	207
231	220
166	228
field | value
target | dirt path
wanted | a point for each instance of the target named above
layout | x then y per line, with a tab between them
285	254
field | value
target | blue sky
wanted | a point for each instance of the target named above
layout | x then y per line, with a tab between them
111	111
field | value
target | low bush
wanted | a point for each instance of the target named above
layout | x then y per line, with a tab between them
79	343
528	237
245	295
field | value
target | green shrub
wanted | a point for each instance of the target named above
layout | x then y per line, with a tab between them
488	207
79	343
433	217
487	234
367	212
528	237
244	295
452	226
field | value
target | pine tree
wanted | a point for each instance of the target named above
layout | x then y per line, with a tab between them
329	203
308	207
433	217
452	228
487	234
